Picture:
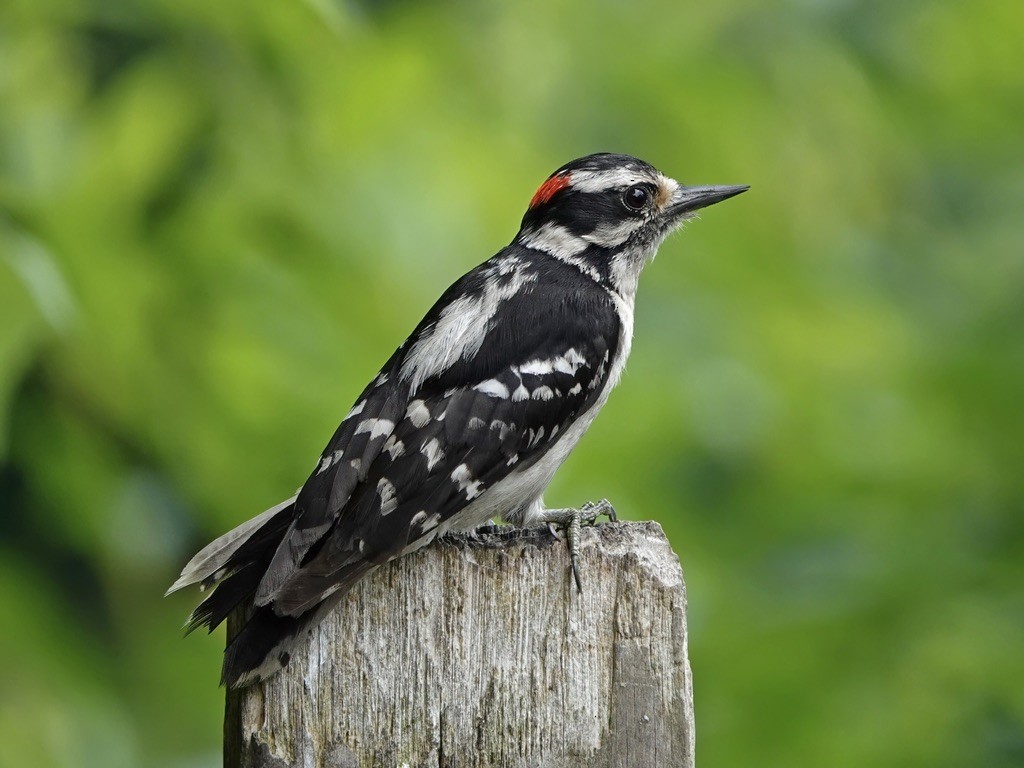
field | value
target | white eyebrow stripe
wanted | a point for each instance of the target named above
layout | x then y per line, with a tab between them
599	181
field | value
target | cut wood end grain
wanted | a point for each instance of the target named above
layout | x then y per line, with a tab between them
478	652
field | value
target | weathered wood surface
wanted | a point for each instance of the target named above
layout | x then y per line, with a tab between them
479	653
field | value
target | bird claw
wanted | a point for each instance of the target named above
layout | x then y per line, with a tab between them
571	521
594	509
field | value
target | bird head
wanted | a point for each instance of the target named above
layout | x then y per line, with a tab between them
607	214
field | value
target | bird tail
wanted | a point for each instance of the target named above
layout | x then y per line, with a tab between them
262	646
234	565
236	549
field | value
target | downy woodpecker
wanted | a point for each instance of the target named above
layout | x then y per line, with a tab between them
470	417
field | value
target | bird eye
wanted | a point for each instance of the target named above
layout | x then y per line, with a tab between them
636	197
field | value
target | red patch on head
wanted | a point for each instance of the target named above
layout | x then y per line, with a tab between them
549	188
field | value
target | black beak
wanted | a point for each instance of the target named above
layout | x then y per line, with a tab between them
687	199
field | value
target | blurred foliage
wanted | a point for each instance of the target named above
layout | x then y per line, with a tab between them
218	218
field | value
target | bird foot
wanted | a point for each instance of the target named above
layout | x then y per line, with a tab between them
571	520
481	530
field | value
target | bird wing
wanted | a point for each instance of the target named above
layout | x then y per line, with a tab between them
343	466
423	453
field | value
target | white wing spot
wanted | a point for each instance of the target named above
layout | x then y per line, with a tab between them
569	362
433	453
388	498
395	447
492	387
476	423
356	409
535	438
418	413
537	367
376	427
576	388
543	393
424	521
464	478
521	393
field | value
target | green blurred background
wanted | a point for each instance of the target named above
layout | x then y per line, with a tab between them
217	218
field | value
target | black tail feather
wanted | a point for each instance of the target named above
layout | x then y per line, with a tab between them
262	647
231	592
245	568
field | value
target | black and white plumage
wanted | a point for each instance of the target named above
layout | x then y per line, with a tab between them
469	418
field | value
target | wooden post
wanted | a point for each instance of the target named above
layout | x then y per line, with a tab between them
479	653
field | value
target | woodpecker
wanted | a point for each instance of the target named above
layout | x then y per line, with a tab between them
470	417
